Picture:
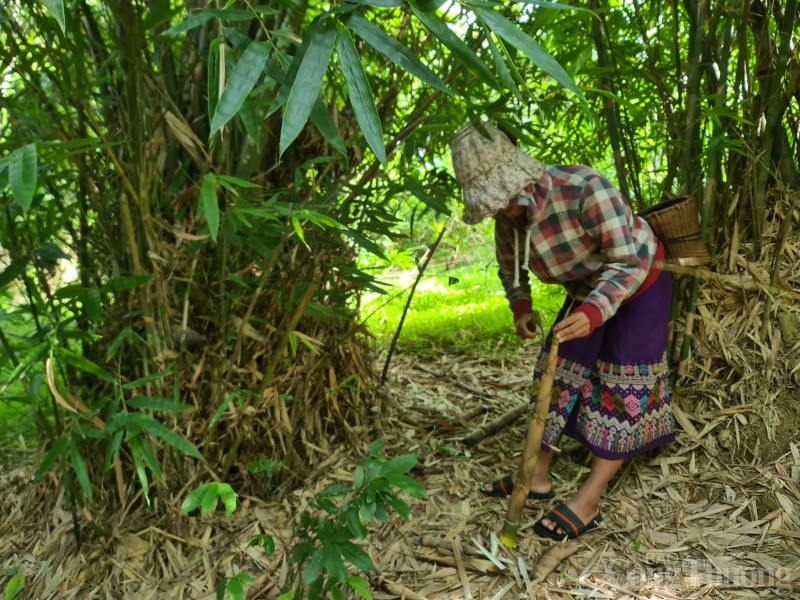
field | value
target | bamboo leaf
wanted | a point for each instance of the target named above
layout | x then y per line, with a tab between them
530	48
138	463
142	381
194	21
157	403
193	500
394	51
209	204
153	427
554	5
14	270
120	284
307	83
213	76
56	452
243	78
379	3
84	364
453	43
23	172
323	121
502	68
360	93
150	459
56	8
79	467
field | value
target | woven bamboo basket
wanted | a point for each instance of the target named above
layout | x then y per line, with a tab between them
676	223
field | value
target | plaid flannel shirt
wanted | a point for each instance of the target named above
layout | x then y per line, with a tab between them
582	234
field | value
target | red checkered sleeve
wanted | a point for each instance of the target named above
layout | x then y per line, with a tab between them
606	217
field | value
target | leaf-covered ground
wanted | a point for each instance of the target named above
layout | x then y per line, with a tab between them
690	521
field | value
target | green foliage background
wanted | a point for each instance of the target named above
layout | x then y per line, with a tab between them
197	199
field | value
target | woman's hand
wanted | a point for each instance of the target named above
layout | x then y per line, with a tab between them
529	325
574	326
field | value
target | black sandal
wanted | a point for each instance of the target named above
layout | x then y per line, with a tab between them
502	488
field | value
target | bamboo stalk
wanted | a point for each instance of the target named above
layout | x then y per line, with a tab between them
610	107
421	272
530	454
683	365
277	353
783	236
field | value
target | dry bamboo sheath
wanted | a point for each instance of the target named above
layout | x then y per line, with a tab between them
530	453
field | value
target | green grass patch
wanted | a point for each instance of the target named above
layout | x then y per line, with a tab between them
456	310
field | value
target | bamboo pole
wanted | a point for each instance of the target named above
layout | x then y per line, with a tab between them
530	454
393	344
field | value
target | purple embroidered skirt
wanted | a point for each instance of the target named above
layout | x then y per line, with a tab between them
610	390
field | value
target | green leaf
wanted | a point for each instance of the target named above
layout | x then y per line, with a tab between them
193	500
143	381
149	424
209	501
266	542
356	556
324	123
360	586
117	343
313	570
408	485
333	562
194	21
228	497
379	3
360	93
79	467
222	408
453	43
14	270
112	449
14	586
366	512
212	76
502	68
229	180
120	284
554	5
160	12
243	78
157	403
394	51
56	8
150	459
307	83
398	505
266	465
298	229
400	464
375	448
135	444
236	585
336	593
523	42
56	451
231	14
209	204
84	364
23	172
354	523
